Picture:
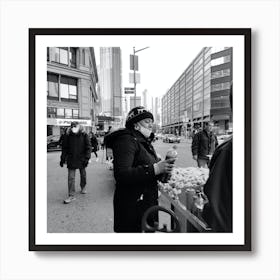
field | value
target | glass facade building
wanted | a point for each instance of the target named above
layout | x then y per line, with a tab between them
200	94
111	81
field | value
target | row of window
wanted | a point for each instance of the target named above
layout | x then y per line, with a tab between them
220	60
63	55
221	86
222	102
198	82
220	73
216	103
63	87
66	56
67	113
197	87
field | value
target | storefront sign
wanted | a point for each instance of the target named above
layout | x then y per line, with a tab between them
67	122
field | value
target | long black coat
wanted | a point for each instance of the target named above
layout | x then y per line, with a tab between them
218	188
204	144
76	149
133	162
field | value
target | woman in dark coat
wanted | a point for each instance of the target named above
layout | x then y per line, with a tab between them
136	170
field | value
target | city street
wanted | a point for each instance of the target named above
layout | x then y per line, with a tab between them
92	212
183	149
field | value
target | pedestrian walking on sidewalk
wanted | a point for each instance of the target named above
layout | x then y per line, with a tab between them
76	152
136	170
94	144
204	144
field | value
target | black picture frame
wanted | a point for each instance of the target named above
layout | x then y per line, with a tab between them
34	32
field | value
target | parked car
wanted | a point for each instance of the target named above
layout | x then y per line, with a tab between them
170	138
159	136
53	143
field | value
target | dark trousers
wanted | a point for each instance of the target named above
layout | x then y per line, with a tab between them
71	180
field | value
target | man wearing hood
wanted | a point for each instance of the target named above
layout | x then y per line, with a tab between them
136	170
76	152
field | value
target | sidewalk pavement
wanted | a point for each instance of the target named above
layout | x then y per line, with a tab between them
91	212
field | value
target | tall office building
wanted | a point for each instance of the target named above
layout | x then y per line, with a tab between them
221	79
201	93
144	98
157	110
111	81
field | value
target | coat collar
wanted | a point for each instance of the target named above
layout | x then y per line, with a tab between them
145	142
139	136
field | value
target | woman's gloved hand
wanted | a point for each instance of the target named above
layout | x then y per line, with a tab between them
164	166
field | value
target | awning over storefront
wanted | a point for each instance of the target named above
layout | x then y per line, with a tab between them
67	122
105	118
220	117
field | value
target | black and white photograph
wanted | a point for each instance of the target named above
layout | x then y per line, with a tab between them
139	140
131	132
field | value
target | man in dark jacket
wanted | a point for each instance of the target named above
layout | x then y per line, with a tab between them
218	211
76	151
94	144
203	145
136	170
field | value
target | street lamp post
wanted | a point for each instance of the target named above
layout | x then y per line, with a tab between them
134	71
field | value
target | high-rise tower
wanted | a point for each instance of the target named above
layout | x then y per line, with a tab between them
111	81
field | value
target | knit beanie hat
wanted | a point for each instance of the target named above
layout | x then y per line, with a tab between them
137	114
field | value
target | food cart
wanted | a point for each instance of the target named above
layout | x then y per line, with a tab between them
182	198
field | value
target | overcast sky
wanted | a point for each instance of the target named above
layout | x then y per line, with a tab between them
163	62
159	66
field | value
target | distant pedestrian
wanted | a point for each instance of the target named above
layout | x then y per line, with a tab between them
193	133
76	152
101	139
109	152
136	170
203	145
94	144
